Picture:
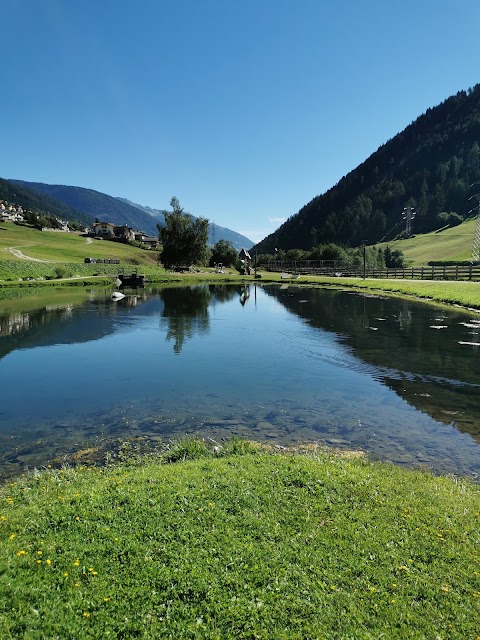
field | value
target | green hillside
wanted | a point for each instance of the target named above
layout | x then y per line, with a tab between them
447	245
431	166
65	247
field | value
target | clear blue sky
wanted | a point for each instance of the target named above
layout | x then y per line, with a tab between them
243	109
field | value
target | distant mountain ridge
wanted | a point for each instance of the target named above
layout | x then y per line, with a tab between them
89	204
158	214
430	165
16	193
95	205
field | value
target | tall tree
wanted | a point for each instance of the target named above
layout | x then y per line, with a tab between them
184	238
225	253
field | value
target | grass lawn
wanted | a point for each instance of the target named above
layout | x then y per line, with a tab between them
66	247
466	294
450	244
250	544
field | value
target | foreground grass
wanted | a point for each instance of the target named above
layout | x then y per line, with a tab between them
259	545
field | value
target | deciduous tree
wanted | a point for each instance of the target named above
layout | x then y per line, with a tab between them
184	237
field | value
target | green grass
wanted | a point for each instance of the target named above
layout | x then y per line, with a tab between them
17	272
447	245
466	294
66	247
253	545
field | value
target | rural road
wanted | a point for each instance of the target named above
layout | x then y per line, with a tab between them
19	254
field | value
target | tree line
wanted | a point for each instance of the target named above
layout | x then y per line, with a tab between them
185	243
348	257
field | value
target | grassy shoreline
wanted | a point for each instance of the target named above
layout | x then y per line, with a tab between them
464	294
239	543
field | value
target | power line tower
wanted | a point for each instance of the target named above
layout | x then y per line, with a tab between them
408	215
476	236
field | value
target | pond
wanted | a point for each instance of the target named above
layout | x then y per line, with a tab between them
282	364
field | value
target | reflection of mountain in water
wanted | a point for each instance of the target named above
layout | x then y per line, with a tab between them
425	366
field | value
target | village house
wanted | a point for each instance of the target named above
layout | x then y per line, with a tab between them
104	229
111	231
123	232
10	212
152	241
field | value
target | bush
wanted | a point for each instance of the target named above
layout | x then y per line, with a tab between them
62	272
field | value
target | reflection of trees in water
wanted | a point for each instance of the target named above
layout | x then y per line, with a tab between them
186	311
423	366
222	292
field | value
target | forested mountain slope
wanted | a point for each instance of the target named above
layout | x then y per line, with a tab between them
95	204
18	193
430	165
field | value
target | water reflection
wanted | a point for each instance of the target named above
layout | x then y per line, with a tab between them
186	313
186	309
428	367
287	364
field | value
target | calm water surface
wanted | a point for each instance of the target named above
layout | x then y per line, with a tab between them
400	380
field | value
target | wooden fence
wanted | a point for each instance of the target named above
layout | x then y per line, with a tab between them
437	272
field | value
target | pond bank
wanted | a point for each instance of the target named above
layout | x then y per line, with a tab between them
464	294
239	543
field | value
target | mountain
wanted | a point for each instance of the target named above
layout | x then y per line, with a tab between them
17	193
158	214
216	233
430	166
93	204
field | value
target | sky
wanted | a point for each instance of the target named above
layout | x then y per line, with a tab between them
245	110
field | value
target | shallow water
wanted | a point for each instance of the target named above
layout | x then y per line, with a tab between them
274	363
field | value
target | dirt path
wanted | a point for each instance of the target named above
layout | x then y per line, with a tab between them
19	254
89	240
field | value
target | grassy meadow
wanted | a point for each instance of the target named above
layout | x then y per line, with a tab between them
239	543
57	247
466	294
453	245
